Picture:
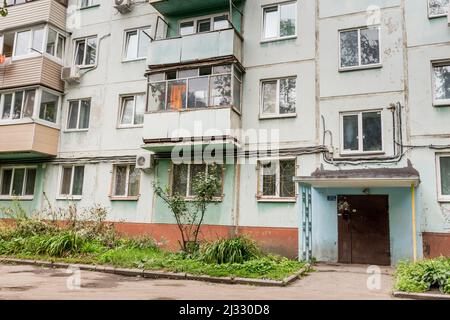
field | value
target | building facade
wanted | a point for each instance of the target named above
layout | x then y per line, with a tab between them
328	121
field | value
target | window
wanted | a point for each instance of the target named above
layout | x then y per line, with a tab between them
79	112
48	109
276	178
279	97
204	24
443	165
72	181
132	110
28	42
56	44
126	181
438	8
359	47
15	2
187	28
136	43
212	86
86	51
441	83
362	132
184	175
18	182
88	3
17	105
280	21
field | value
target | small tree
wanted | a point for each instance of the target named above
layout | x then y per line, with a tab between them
190	213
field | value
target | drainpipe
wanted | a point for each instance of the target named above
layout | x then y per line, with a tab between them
413	211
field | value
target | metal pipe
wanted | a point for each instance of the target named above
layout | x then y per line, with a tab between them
413	217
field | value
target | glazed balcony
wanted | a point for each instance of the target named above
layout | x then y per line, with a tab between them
196	47
35	12
28	140
31	71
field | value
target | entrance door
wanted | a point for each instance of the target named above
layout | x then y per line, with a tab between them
363	229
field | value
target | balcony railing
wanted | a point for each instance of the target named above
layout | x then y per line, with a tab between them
165	130
221	87
194	47
33	12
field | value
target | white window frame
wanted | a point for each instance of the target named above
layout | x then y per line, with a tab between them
125	43
121	106
431	16
441	197
260	176
78	129
58	34
36	109
114	196
440	102
13	92
94	3
189	180
197	19
61	178
82	66
360	133
277	114
360	66
21	197
263	20
33	52
39	102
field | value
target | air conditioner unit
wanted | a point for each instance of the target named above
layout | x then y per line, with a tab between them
71	74
144	161
124	6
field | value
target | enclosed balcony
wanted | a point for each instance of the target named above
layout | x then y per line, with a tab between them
34	12
29	123
31	71
28	140
199	105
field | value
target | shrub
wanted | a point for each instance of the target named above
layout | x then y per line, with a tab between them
423	275
235	250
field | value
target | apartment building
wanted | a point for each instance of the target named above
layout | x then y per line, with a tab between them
329	120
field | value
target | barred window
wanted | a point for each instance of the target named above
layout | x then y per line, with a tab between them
276	178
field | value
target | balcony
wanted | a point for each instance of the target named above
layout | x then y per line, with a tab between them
196	47
28	140
34	12
165	130
31	71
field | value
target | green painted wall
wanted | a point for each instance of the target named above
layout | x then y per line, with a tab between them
219	213
174	21
30	206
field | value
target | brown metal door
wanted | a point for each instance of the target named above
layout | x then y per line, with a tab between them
363	229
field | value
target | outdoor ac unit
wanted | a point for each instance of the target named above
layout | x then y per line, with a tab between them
71	74
144	161
124	6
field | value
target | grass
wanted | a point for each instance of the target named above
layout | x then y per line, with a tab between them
423	276
237	257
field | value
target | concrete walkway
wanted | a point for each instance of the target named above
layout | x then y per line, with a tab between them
328	282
